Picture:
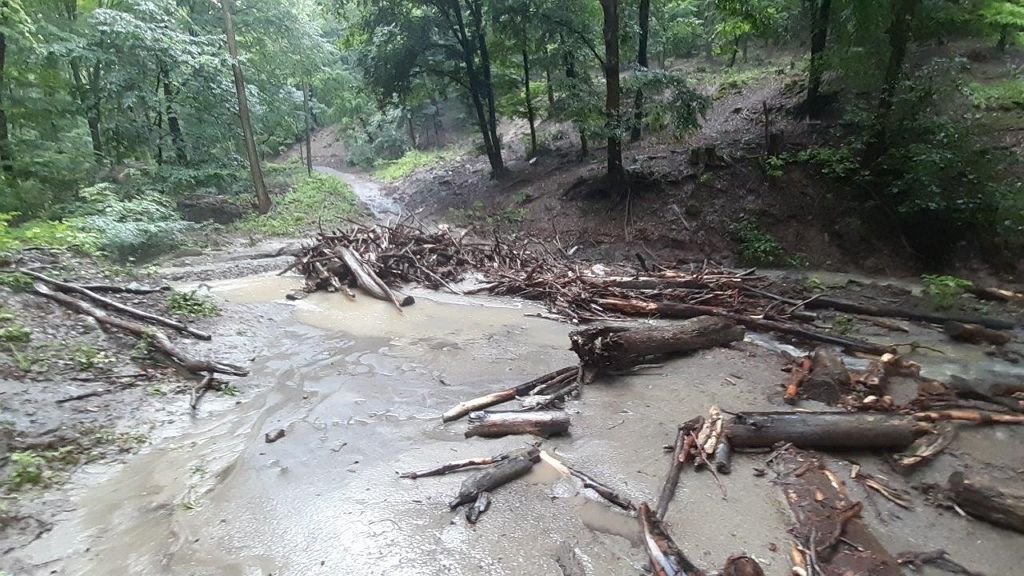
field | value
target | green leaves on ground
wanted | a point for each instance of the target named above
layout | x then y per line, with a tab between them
316	200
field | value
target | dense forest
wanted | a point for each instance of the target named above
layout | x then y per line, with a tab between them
114	112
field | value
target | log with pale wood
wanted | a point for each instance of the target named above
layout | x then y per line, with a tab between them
999	294
823	430
108	303
608	348
998	503
153	336
543	423
679	310
508	394
369	281
975	334
680	455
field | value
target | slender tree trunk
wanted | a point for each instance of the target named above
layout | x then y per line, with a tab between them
88	99
612	103
411	127
437	119
570	73
476	88
899	38
1004	38
820	10
263	201
173	124
644	22
529	103
309	129
158	123
550	87
476	10
735	51
6	162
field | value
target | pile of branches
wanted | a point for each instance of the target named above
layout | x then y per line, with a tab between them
379	258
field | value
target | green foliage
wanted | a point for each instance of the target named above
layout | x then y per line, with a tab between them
943	291
16	281
757	248
45	234
15	333
844	325
27	469
316	200
192	304
733	80
1001	95
672	103
838	162
412	161
130	225
87	357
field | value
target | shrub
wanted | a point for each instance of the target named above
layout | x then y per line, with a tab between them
317	199
45	234
130	226
410	162
191	304
1003	95
943	291
758	248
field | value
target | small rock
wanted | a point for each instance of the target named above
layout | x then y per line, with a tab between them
271	437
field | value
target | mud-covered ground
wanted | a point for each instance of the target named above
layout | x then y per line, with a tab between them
358	388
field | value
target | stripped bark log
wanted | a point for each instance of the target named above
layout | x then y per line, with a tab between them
976	416
502	396
369	281
924	449
840	305
614	347
975	334
129	289
678	310
999	294
994	503
543	423
826	430
153	336
666	557
108	303
828	380
602	490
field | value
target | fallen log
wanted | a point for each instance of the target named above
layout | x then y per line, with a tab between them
825	430
1000	294
723	457
502	396
976	416
108	303
678	310
490	478
543	423
614	347
152	336
975	334
994	503
680	454
832	537
666	558
530	453
129	289
828	380
369	281
602	490
850	307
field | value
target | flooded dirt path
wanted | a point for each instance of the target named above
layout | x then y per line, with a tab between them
359	387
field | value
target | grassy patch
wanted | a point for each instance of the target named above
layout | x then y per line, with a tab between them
1002	95
757	248
191	305
412	160
87	357
943	291
39	468
45	234
315	199
15	333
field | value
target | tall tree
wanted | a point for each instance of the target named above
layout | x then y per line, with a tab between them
263	201
820	16
613	95
644	26
6	163
899	34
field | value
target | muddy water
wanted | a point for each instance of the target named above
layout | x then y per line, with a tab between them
359	386
367	190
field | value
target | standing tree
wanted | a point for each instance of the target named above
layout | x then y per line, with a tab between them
820	10
613	96
263	201
899	34
644	24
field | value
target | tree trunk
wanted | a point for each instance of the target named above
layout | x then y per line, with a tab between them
570	73
5	143
820	10
173	124
899	37
550	87
1004	38
613	117
476	10
735	51
476	90
263	201
529	103
309	129
1002	505
88	98
822	430
641	62
437	120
